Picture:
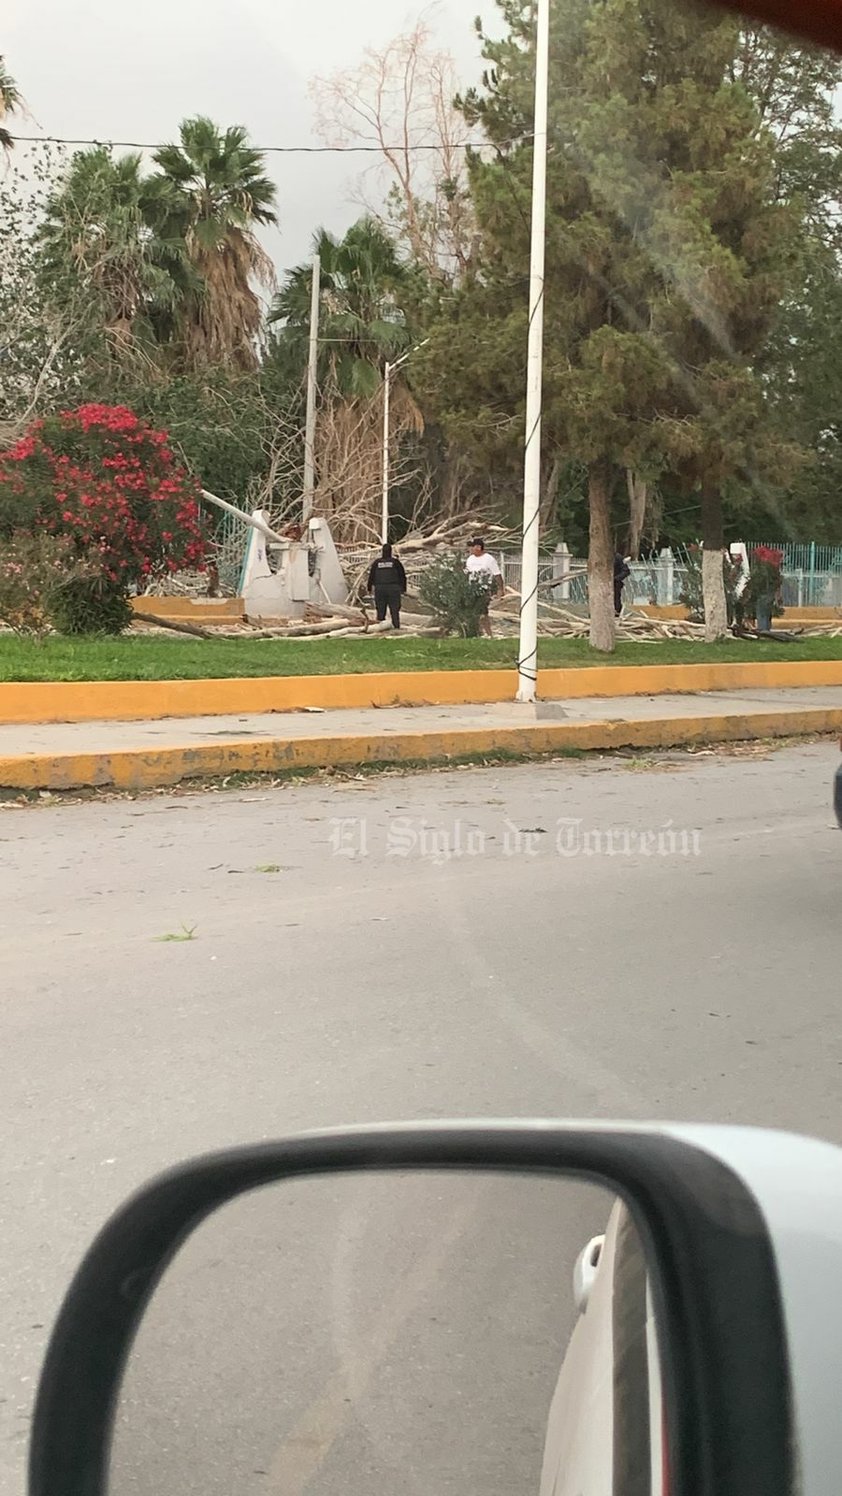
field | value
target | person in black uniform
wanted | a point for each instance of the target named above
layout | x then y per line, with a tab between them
387	580
622	572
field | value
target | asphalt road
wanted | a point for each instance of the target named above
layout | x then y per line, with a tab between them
596	939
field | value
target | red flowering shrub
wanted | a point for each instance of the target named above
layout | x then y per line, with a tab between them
111	484
766	555
762	598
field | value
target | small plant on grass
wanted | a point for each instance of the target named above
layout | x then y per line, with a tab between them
110	484
457	599
37	572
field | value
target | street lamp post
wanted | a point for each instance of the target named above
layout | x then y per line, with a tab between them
387	396
312	375
528	649
388	372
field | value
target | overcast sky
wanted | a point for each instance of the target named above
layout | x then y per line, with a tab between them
131	69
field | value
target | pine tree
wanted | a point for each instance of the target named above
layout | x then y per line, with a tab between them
667	254
795	89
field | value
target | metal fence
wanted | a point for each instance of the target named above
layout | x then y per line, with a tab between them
660	581
812	573
231	536
812	577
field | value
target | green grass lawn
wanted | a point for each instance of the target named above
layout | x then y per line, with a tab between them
152	657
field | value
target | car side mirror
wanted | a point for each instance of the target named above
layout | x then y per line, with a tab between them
816	20
585	1271
740	1235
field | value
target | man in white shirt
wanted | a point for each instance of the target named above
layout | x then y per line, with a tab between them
484	567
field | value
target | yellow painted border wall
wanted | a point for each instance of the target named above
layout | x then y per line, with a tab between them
132	701
144	769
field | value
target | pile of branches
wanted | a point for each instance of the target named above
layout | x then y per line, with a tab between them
198	584
331	621
421	546
555	621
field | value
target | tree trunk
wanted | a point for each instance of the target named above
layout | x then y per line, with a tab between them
550	497
601	559
638	491
713	578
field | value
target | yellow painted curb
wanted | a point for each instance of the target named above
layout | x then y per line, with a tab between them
143	769
809	615
684	680
194	610
141	700
226	609
790	615
134	701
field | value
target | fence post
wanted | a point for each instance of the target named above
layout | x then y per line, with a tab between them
666	578
812	573
561	569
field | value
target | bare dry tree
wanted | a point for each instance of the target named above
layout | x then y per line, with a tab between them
349	458
38	336
399	100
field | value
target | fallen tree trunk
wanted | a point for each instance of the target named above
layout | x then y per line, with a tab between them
338	610
285	630
167	623
344	629
359	616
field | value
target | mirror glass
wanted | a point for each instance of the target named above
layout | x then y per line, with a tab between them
367	1334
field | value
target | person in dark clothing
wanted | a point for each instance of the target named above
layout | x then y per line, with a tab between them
622	571
387	580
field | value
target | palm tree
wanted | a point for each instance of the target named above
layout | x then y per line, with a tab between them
212	192
97	227
10	100
362	326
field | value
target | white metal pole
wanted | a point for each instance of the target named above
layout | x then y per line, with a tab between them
312	374
247	519
384	522
528	652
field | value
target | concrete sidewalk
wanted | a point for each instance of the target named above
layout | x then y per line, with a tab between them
143	755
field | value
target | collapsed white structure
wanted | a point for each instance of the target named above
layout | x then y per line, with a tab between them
282	574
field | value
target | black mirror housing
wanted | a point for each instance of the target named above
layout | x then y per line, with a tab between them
711	1257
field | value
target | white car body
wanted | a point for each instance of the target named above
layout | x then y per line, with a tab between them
582	1432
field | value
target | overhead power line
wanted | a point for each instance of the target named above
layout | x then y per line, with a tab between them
276	150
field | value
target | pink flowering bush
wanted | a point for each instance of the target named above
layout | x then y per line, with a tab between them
108	483
35	572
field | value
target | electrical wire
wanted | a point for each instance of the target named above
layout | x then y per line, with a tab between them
267	150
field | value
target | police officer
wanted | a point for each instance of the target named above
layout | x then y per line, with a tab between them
622	572
387	580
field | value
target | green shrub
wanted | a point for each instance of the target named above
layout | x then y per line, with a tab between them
36	572
90	605
692	593
456	599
